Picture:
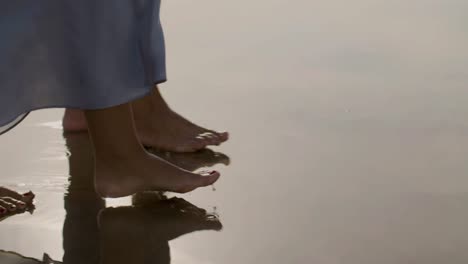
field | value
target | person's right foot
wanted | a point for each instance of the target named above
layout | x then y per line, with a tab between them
119	177
12	202
169	131
160	127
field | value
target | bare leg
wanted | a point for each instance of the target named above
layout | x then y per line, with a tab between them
123	167
74	120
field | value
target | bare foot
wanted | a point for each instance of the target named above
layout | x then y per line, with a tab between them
160	127
171	132
157	126
119	177
12	203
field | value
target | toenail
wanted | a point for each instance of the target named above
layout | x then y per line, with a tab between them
29	194
213	172
2	210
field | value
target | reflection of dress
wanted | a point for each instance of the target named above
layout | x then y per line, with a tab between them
86	54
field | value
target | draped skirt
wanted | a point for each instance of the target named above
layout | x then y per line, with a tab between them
85	54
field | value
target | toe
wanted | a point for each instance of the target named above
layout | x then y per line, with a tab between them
17	203
203	140
191	145
3	211
202	179
7	205
211	138
197	143
223	136
208	178
27	197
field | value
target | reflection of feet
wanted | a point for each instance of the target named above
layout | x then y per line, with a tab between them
159	216
158	126
195	160
123	176
152	227
12	203
82	204
182	216
81	164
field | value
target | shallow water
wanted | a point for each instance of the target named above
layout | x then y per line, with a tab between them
349	141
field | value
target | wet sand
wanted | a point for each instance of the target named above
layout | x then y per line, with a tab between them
349	139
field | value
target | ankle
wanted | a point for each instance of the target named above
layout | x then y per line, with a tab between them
74	120
74	115
151	105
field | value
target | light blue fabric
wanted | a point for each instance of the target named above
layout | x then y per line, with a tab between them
86	54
